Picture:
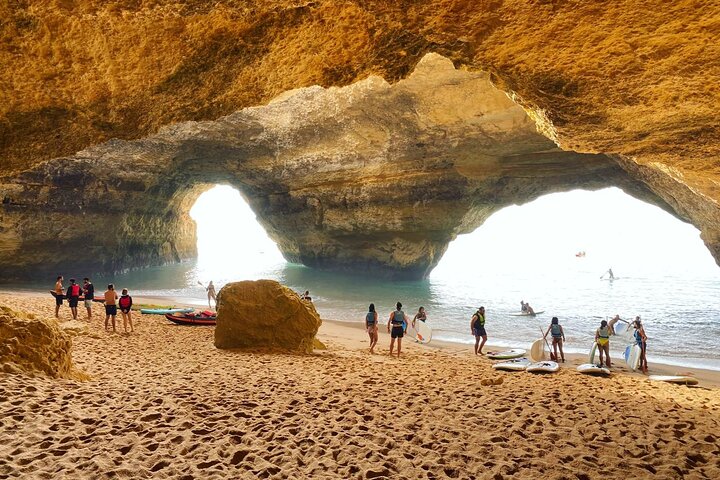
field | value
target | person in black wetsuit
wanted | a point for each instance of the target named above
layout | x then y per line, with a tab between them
396	329
89	292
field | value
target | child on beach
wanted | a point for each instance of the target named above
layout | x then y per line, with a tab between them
641	340
110	306
396	320
58	295
477	327
602	338
73	296
558	337
371	325
125	304
89	292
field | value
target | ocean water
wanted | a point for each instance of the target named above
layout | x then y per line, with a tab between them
665	274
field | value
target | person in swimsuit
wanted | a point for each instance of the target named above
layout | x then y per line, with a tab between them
523	306
420	316
371	325
211	294
125	304
58	295
396	329
641	340
477	327
558	337
602	338
110	306
89	292
73	296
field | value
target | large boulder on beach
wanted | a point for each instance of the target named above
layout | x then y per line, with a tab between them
264	314
29	344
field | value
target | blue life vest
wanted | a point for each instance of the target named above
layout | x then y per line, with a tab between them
398	318
370	319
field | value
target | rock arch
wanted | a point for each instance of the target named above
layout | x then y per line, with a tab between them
371	177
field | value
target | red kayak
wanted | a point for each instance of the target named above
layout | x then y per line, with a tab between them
203	318
81	298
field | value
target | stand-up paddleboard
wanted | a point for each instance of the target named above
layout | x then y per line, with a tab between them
593	352
514	365
592	369
163	311
543	367
423	332
632	356
681	379
506	354
527	314
537	350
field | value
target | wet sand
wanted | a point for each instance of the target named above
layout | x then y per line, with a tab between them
164	403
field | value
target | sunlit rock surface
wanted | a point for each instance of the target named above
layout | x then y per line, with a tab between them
33	345
372	177
263	314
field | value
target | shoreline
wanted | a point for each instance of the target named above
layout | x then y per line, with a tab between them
351	334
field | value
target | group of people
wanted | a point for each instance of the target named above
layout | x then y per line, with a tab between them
87	291
526	308
398	322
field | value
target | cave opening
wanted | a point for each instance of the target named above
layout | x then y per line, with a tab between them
231	243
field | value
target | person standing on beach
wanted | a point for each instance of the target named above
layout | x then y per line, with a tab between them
125	304
73	296
89	292
477	327
396	329
211	294
371	325
641	340
59	292
602	338
558	337
421	316
110	306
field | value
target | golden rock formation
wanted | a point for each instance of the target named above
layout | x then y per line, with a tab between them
31	344
265	315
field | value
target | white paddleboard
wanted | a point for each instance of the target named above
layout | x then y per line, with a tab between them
543	367
423	332
527	314
537	350
592	369
506	354
593	351
514	365
632	356
674	379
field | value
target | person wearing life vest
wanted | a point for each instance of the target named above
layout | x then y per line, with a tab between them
125	303
371	325
558	337
396	328
110	306
602	338
89	292
477	327
73	295
58	293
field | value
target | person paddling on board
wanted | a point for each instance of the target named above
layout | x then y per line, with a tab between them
371	325
610	274
211	294
477	327
125	304
110	306
558	337
58	294
602	338
641	340
89	293
396	329
529	310
419	317
73	296
523	306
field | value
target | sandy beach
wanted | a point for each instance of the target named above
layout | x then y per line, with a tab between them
165	403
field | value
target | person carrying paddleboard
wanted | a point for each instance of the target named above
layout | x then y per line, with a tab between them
371	325
396	329
558	337
602	338
421	316
477	327
641	340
